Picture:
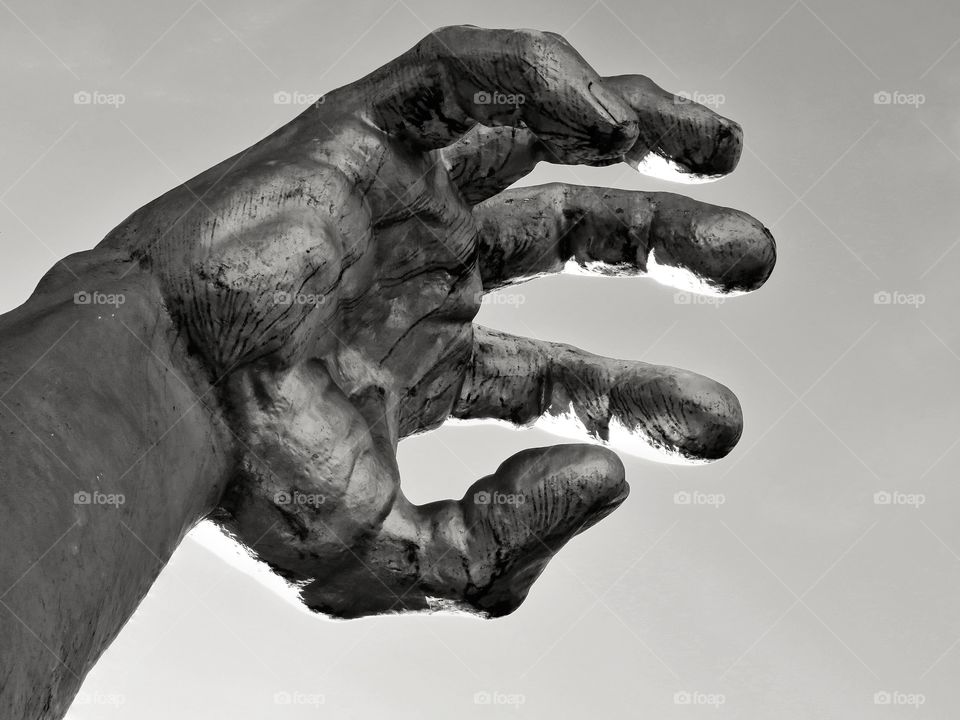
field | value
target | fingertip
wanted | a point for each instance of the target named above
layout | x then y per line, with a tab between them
727	147
606	473
709	249
739	248
696	140
714	418
686	417
585	480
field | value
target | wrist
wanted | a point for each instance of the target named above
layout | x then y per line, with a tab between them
111	450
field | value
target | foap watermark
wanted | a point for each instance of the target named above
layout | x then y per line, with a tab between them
895	497
98	298
896	697
895	297
701	98
695	497
695	697
95	97
98	498
295	97
113	700
299	298
485	497
295	497
286	697
495	97
514	299
895	97
688	298
495	697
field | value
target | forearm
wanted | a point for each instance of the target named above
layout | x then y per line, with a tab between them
105	463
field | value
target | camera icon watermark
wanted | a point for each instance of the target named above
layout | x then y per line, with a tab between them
84	297
287	298
895	497
95	97
695	497
497	298
688	298
895	97
695	697
495	97
896	697
485	697
295	497
295	97
485	497
685	97
285	697
96	497
895	297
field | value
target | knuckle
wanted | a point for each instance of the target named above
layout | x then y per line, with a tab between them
540	47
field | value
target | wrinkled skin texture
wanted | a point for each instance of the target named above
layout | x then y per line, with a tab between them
316	295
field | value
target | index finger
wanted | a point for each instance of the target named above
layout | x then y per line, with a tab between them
459	76
679	139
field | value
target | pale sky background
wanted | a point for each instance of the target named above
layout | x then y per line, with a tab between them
800	596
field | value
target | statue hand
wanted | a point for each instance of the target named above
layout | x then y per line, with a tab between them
328	277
